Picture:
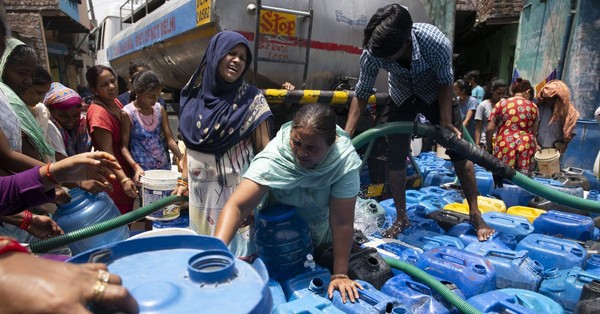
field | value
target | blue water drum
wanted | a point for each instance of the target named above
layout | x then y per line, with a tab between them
446	196
565	225
485	180
517	301
589	301
277	293
307	283
559	186
86	209
553	252
467	235
514	269
518	226
564	286
312	304
581	152
417	297
283	240
183	221
471	273
395	249
185	274
370	300
437	178
512	195
427	240
420	223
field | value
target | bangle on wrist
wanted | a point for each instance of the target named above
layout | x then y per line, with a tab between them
182	182
27	219
339	276
10	245
125	180
50	173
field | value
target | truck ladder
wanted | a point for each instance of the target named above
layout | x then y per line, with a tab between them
307	14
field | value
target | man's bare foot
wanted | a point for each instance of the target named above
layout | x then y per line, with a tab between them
484	231
398	226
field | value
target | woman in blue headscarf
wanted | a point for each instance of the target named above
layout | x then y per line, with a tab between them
224	121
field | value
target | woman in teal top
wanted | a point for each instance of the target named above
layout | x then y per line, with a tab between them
311	165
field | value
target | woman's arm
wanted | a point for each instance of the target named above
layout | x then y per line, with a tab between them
341	222
489	133
166	129
125	136
468	117
239	205
478	126
103	140
261	136
14	161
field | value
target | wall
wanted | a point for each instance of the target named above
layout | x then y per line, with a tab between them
489	10
441	14
29	28
540	41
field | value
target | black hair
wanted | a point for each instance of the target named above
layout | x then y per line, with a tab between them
463	86
520	86
134	65
388	30
318	117
41	76
475	75
91	76
144	81
20	54
499	83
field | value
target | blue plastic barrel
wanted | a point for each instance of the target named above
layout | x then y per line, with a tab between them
86	209
426	239
185	274
282	240
421	223
593	263
312	304
581	152
439	177
307	283
277	293
370	300
467	235
471	273
564	286
565	225
517	301
553	252
511	194
485	180
518	226
417	297
395	249
514	269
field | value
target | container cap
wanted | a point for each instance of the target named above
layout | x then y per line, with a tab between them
277	212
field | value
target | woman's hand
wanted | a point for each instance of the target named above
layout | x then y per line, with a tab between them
139	172
87	166
181	190
43	227
33	285
347	287
94	186
62	197
451	127
130	189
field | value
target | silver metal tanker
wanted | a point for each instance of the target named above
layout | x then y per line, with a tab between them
172	39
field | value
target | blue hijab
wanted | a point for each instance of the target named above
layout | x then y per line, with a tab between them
212	110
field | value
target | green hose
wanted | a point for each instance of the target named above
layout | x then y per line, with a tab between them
90	231
431	282
477	155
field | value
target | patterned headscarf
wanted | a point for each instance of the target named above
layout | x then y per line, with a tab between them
563	110
61	97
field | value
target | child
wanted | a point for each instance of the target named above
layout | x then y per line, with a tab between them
142	122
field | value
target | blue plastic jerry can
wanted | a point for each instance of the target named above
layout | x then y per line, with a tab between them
517	301
370	300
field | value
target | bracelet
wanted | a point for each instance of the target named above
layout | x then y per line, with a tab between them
125	180
26	220
10	245
181	182
50	174
182	179
339	276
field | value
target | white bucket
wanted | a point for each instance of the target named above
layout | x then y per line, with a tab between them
548	161
156	185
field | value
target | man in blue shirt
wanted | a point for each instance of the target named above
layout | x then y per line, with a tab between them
418	58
